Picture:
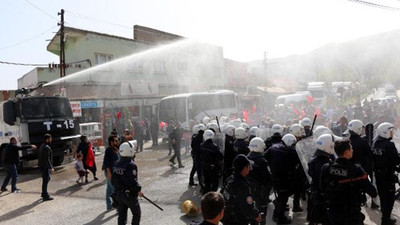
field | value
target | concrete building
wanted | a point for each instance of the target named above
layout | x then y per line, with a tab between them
131	84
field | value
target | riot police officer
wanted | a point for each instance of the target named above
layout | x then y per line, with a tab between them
306	124
277	133
240	208
125	181
259	176
197	139
252	133
211	160
299	175
386	160
229	153
240	145
362	153
317	207
281	160
342	183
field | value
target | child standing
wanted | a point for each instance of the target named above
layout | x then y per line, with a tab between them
80	169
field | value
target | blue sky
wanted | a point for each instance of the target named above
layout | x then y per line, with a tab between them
244	28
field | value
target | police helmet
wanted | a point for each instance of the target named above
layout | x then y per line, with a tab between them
127	149
289	139
230	130
384	130
213	126
205	120
320	130
236	123
277	128
356	126
297	130
257	145
240	133
245	126
326	143
306	122
208	134
253	131
195	129
201	127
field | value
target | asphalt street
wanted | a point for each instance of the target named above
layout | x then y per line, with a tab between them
76	203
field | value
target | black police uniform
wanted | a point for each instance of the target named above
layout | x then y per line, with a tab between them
229	155
240	208
125	181
197	139
259	179
211	159
362	153
317	207
281	160
241	147
342	183
274	139
386	159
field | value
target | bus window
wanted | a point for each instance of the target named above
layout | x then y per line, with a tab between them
174	108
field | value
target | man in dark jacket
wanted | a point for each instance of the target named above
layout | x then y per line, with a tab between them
229	153
317	207
240	208
176	138
110	157
342	183
386	162
46	165
197	140
211	162
10	163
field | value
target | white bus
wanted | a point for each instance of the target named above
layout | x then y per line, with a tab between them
188	106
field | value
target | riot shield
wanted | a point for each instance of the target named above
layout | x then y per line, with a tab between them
305	150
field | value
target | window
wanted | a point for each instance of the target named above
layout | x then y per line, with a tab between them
102	58
135	67
159	67
216	72
182	68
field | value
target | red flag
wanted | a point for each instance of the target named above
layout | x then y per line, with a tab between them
119	114
254	109
90	156
310	99
296	111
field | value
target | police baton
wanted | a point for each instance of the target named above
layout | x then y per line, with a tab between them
313	123
153	203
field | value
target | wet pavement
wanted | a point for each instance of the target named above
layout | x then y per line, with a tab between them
76	203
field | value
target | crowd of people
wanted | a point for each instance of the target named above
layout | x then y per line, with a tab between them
254	162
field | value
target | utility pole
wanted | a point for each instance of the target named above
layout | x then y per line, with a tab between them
62	44
265	68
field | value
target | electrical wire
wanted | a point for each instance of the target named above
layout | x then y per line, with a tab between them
371	4
41	10
77	15
28	39
23	64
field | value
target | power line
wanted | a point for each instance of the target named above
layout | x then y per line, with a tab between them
371	4
77	15
28	39
23	64
41	10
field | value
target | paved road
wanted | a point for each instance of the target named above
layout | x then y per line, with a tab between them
85	204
